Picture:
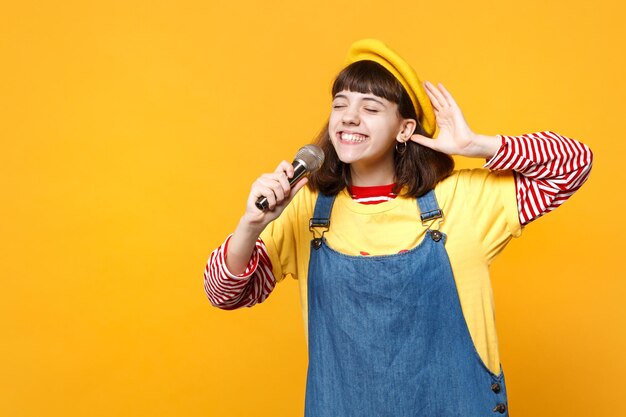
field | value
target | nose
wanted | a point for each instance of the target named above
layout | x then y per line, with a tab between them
350	116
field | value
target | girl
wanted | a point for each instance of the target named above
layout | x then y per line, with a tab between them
391	247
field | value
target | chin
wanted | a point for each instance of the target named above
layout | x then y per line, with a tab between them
347	159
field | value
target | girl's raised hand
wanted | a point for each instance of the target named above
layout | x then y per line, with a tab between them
275	187
455	136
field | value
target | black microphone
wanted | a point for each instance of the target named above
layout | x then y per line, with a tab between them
308	159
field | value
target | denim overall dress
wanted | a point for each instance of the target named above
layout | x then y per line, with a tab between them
387	336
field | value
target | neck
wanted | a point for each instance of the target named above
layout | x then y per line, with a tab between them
369	176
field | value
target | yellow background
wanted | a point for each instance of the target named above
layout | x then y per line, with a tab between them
132	130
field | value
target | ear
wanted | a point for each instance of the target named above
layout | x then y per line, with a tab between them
407	128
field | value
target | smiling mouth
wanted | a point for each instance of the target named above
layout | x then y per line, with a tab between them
351	137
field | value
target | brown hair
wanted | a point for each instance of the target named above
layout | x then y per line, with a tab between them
417	170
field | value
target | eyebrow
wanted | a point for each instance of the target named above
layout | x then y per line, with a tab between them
364	98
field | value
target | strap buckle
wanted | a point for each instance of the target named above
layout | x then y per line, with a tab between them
429	217
316	224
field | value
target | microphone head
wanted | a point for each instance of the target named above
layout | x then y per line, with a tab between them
311	156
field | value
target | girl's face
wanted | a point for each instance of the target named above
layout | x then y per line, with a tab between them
363	129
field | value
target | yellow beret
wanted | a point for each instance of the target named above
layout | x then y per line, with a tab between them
377	51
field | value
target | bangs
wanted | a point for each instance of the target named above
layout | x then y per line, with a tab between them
369	77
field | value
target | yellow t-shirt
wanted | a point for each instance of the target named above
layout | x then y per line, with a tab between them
480	217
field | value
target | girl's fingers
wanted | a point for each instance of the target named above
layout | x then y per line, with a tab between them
431	93
284	182
272	182
263	191
433	101
447	95
425	141
285	167
275	186
284	171
297	186
438	92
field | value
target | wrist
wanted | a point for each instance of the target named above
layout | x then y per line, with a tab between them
484	146
250	226
243	271
241	247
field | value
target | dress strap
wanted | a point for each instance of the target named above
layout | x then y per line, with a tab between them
429	208
323	206
320	221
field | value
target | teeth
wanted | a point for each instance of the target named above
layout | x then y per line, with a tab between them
352	137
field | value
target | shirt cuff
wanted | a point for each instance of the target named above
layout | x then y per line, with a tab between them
496	162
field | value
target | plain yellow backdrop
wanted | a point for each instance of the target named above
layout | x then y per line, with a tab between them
132	130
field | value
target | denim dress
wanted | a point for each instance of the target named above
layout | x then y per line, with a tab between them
387	336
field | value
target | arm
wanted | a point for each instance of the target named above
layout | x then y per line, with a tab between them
548	167
239	272
228	291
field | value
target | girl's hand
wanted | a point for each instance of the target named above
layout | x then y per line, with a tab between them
455	136
275	187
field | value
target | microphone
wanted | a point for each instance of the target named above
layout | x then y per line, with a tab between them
308	159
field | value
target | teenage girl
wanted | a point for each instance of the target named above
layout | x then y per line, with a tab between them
393	268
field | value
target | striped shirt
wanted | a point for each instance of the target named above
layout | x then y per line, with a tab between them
548	169
372	195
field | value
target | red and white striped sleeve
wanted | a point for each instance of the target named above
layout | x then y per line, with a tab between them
228	291
548	167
